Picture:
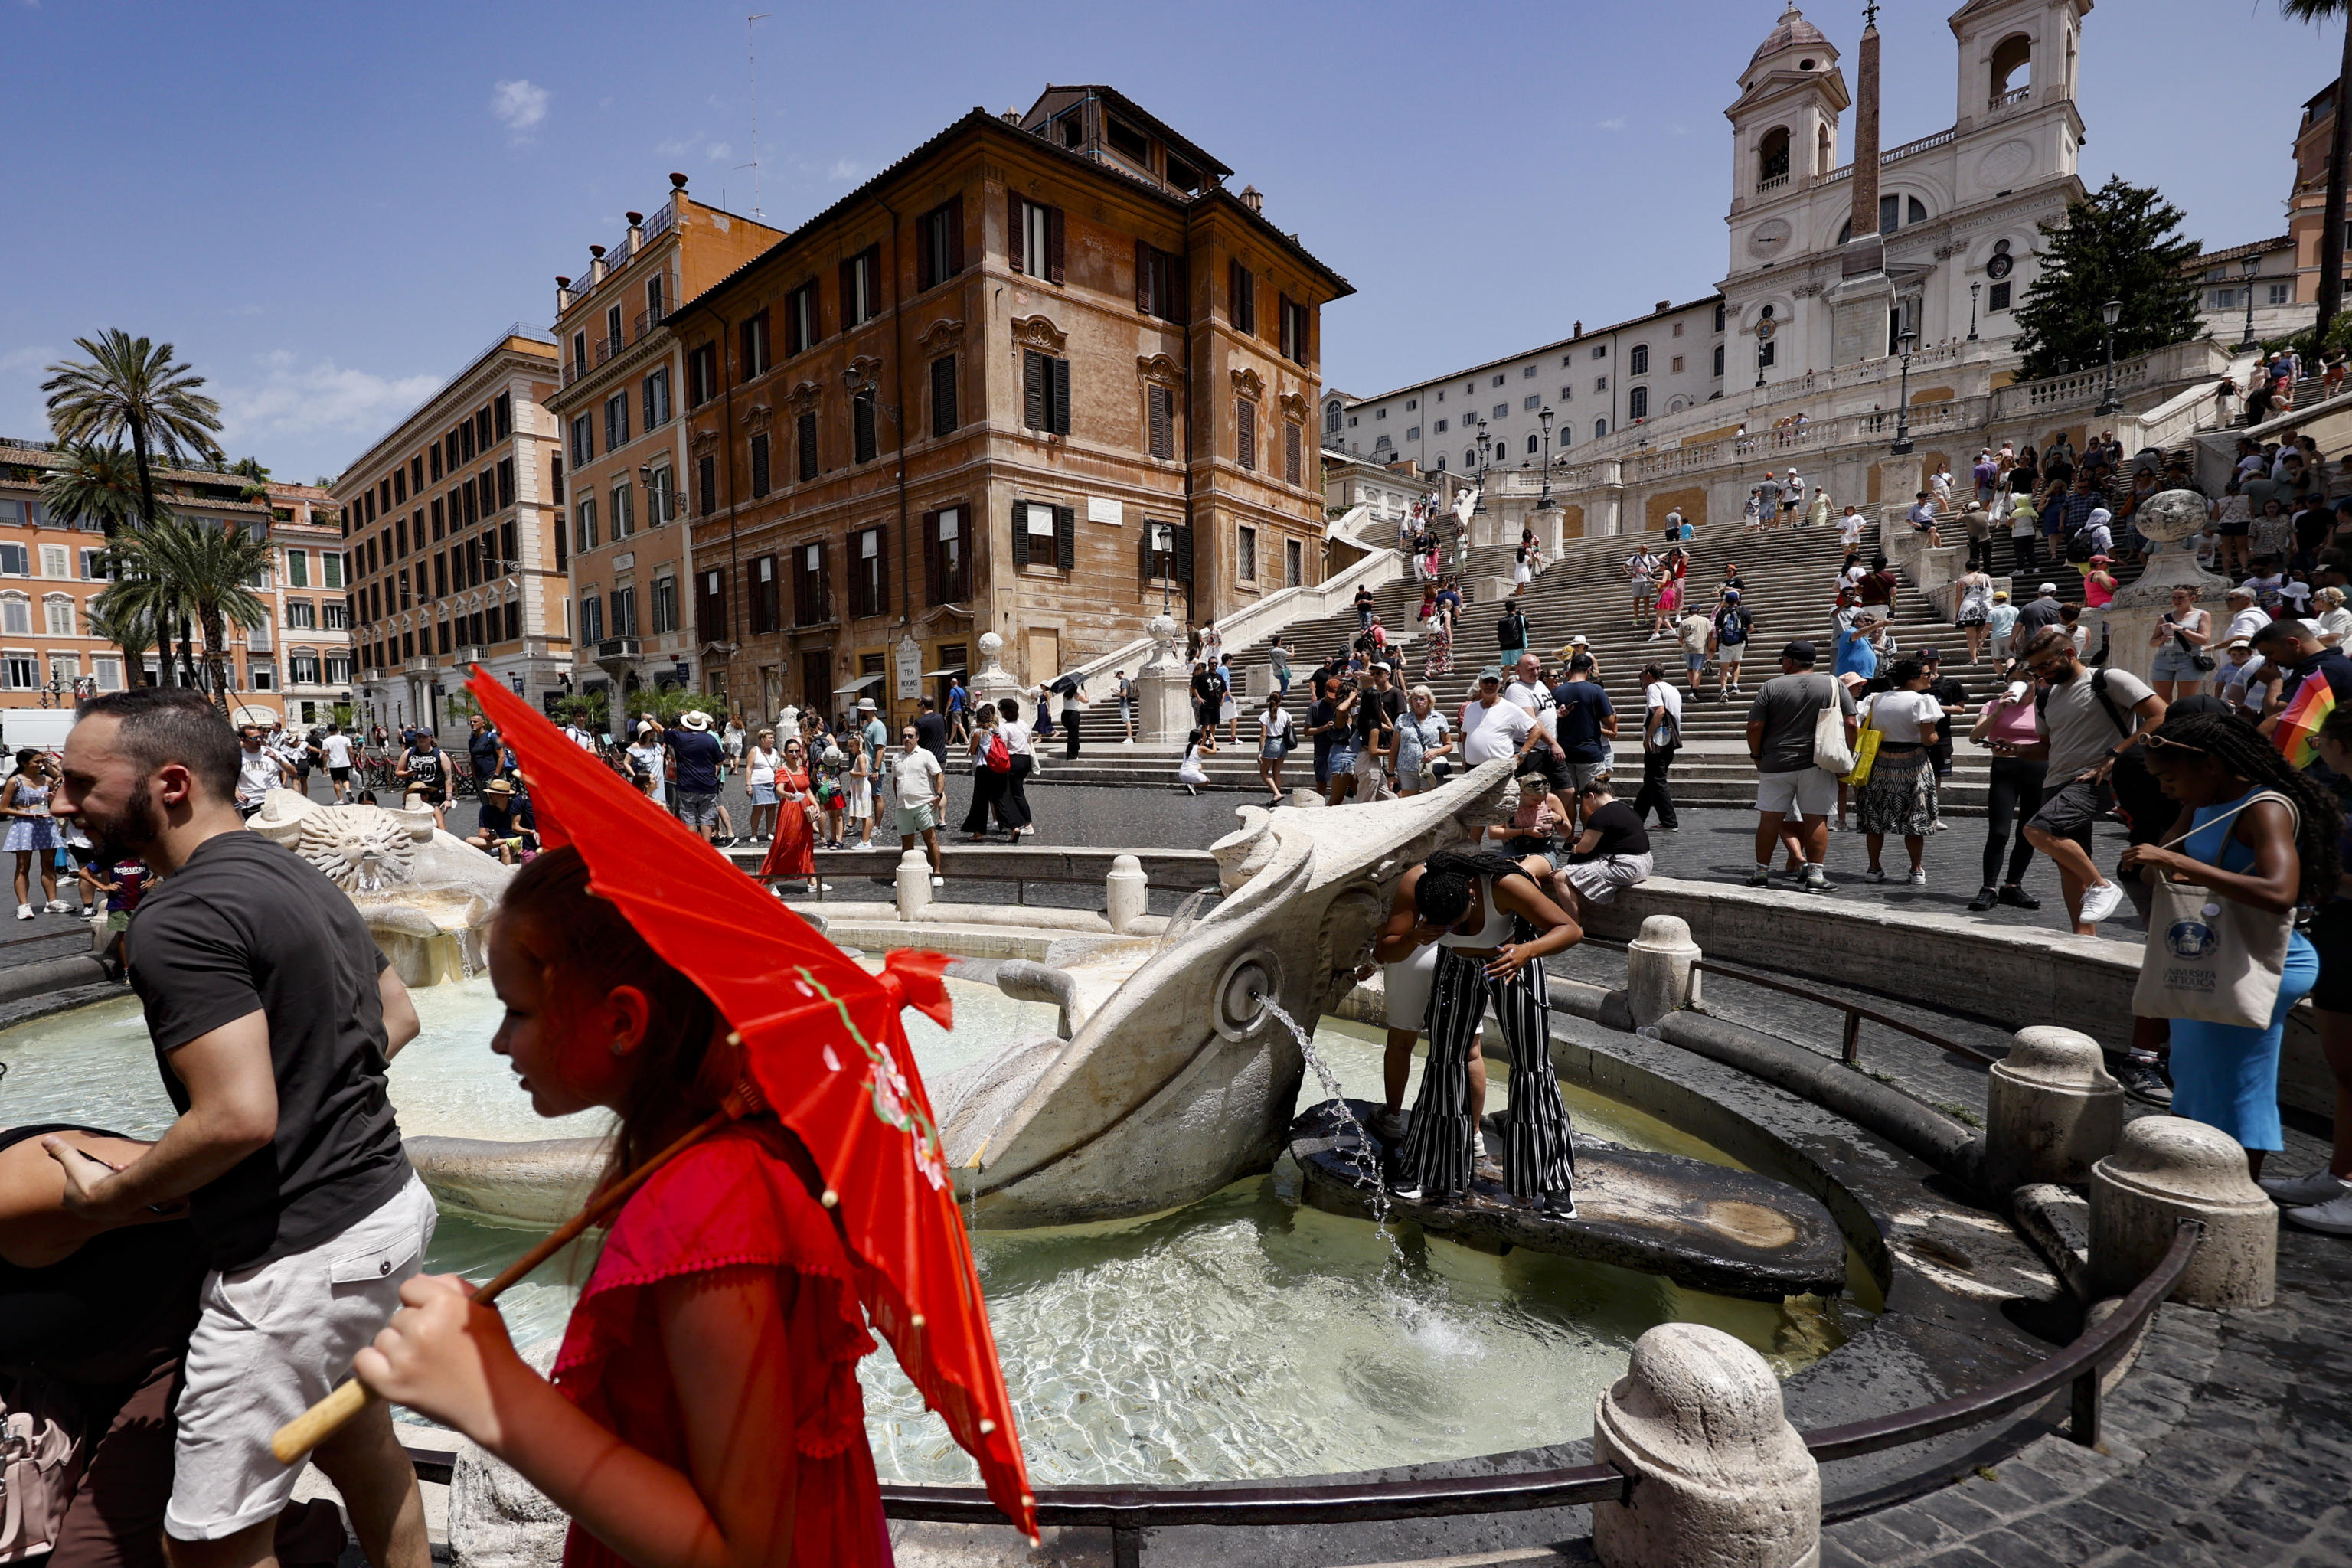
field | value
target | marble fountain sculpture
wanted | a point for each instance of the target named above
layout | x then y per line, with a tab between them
426	895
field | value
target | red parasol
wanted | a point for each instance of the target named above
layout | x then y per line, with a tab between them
827	1048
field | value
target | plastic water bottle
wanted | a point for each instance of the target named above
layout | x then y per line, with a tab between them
1649	1032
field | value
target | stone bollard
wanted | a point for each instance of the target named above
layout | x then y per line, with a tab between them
2167	1169
914	884
1126	893
2050	1111
1659	978
1720	1478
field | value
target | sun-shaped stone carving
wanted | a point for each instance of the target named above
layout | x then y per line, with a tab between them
359	848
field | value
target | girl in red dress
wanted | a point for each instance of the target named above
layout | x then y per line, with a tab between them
791	852
705	1408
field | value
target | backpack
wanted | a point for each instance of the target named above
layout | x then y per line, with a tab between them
1511	631
999	756
2131	759
2078	547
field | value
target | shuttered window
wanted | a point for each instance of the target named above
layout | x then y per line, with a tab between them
705	485
947	560
1160	409
945	415
938	243
1045	392
710	604
804	437
1035	247
1167	551
869	573
756	346
1245	432
864	442
1241	298
1159	283
759	474
861	287
1293	444
1044	535
800	319
1296	332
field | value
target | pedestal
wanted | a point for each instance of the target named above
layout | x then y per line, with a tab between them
1860	308
2050	1111
1659	978
2167	1169
991	684
2137	607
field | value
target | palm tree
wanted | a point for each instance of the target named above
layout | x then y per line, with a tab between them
256	479
178	570
2340	152
128	628
129	387
100	485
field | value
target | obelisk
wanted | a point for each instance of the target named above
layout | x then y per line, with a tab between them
1862	301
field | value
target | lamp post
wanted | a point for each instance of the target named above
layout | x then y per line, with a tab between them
1973	289
1543	504
1902	448
1480	510
2111	312
2247	267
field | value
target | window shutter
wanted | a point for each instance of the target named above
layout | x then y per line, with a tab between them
1143	301
1245	432
1143	556
953	218
945	414
1290	452
1179	306
932	595
881	572
1020	534
849	293
1059	370
1015	235
924	228
1033	396
1065	536
1182	533
1156	401
824	582
1054	244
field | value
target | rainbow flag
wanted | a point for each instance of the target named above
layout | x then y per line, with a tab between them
2314	700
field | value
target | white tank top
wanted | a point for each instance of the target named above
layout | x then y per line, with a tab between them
1494	933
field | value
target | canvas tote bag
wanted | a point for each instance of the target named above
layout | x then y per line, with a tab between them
2209	959
40	1462
1830	748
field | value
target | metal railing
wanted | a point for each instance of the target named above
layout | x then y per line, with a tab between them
1849	1038
1129	1512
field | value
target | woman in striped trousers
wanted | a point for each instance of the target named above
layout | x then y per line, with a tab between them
1493	926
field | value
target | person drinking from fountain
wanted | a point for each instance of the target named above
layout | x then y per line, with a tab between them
1493	926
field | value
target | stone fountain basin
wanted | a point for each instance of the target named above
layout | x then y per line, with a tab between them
529	1182
1731	1233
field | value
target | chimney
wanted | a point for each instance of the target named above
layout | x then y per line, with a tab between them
1012	117
1577	330
562	295
595	265
637	232
1253	199
1665	304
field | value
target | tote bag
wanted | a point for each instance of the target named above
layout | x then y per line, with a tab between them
2210	959
1865	748
1830	748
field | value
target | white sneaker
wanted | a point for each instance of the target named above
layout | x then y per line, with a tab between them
59	907
2101	902
23	912
939	881
1919	879
2333	1218
2298	1192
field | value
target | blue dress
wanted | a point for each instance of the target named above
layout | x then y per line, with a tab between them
2223	1076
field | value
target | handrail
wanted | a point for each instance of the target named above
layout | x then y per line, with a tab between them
1855	1012
1129	1510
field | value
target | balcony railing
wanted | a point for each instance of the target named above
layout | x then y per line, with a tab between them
2012	97
1771	182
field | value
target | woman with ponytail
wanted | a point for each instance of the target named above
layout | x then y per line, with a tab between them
1493	926
2256	831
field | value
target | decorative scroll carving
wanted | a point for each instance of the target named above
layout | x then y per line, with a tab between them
1161	371
939	336
704	437
1037	333
867	367
803	398
1805	291
1294	407
1249	384
757	414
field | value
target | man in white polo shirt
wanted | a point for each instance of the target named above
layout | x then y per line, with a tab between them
1493	727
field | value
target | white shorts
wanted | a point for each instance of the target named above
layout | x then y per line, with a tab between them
272	1341
1406	985
1806	793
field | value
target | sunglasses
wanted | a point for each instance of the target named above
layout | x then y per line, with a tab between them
2157	742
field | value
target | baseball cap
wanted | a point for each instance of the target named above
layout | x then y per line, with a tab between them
1931	656
1799	652
2047	588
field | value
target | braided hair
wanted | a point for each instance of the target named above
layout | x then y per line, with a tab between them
2245	751
1443	893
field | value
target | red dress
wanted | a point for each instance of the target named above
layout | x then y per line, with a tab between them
737	1198
792	852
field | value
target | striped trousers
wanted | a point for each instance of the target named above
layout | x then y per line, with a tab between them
1439	1148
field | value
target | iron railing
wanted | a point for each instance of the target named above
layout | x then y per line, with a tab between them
1129	1512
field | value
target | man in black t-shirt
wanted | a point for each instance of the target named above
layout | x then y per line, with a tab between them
273	1018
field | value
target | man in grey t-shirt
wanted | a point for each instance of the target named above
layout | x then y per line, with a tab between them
2092	718
1781	739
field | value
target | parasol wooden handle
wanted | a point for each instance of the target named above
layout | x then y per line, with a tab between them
327	1417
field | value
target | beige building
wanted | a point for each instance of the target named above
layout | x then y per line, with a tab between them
631	566
455	553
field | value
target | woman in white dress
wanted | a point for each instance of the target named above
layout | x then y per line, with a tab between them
1190	773
32	831
857	791
761	776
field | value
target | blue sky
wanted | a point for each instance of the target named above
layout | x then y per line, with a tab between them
331	207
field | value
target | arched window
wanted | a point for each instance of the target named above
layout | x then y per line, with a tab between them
57	614
1772	158
1637	402
2012	70
1891	210
1440	462
1825	151
1469	459
1533	448
1332	417
1640	364
1600	428
16	614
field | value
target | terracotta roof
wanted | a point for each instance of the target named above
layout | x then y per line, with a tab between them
2257	247
1792	32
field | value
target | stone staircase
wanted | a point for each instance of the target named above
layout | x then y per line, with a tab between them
1790	574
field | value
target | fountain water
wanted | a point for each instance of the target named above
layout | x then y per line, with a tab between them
1361	1147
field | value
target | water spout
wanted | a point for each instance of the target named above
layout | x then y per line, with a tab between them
1364	1145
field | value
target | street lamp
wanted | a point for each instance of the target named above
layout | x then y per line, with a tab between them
2247	267
2111	312
1973	288
1902	448
1480	510
1543	504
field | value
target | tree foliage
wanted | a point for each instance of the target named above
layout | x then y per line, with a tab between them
176	571
2122	243
130	389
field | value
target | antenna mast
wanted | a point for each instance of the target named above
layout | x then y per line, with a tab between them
751	55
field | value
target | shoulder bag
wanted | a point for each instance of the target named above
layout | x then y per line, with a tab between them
1865	747
2211	960
40	1464
2196	656
1830	748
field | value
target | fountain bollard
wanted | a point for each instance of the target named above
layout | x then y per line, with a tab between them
1659	978
914	884
1721	1480
1126	893
2167	1169
2050	1110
